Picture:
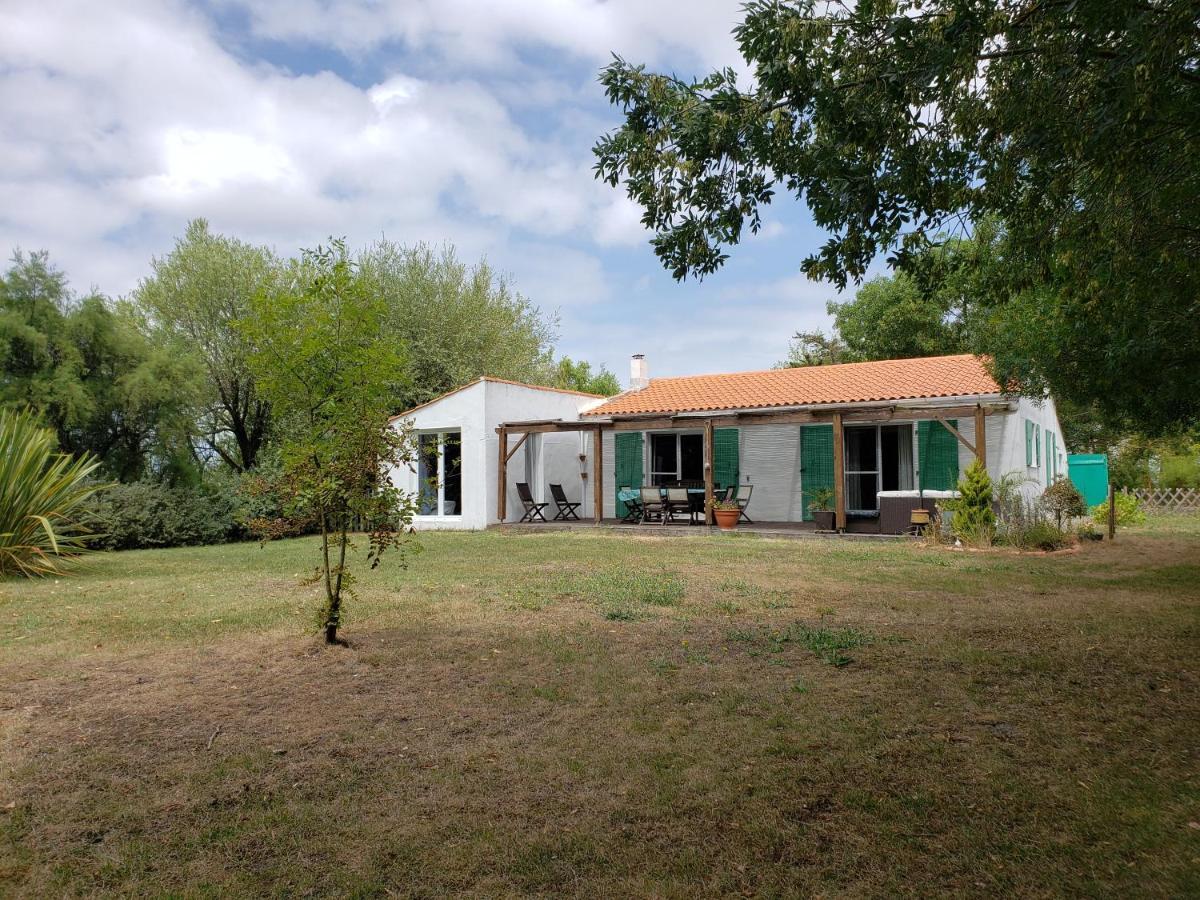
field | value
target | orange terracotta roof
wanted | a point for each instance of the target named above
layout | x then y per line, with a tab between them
892	379
494	380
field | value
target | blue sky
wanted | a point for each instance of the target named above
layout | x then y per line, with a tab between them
286	121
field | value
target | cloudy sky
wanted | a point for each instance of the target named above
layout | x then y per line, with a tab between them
286	121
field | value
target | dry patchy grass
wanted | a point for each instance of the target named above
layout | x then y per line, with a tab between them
598	715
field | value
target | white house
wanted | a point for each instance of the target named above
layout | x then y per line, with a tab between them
866	432
455	478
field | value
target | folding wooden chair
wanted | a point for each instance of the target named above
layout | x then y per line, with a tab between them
743	500
653	505
533	511
677	502
566	509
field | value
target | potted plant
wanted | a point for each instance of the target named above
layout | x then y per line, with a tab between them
823	516
727	513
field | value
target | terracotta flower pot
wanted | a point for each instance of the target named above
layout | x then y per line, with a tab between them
727	519
824	519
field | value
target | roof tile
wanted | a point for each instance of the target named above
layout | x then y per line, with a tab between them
893	379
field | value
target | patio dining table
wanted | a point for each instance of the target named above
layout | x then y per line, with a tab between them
632	499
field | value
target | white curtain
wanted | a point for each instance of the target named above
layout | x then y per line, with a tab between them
905	457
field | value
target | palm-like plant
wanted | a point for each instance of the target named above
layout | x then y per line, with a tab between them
41	496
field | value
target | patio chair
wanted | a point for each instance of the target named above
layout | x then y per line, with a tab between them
566	509
653	505
677	502
743	500
633	506
533	509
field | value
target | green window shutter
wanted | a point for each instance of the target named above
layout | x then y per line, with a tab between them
725	472
1028	444
937	449
816	462
1037	444
1049	457
627	464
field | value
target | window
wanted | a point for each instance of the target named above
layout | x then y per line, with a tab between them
1033	444
439	474
676	457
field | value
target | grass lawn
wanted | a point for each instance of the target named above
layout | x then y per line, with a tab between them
609	715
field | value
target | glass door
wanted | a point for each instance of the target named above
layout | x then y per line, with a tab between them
862	469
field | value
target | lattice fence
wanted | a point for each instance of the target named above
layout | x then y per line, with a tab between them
1168	499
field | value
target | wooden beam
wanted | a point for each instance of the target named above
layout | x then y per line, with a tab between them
516	447
981	436
954	431
598	474
502	476
708	471
839	473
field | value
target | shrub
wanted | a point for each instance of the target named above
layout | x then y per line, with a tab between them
1129	511
1063	499
146	514
974	521
1043	536
42	494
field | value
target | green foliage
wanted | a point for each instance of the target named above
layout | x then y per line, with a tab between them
892	318
1129	511
86	371
1070	125
1038	535
458	322
331	370
1063	499
1180	470
815	348
822	498
578	376
41	497
190	303
974	520
150	514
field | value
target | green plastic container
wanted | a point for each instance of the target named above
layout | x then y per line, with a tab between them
1089	473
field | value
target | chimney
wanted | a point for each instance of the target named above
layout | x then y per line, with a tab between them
638	374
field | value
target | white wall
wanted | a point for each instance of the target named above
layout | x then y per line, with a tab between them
477	410
769	459
464	411
1006	443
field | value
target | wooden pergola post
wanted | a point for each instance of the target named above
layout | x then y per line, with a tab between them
839	474
502	474
708	471
598	473
980	436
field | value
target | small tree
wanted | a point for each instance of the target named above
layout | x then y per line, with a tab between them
1063	499
330	371
974	519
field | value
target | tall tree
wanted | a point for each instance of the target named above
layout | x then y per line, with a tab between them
458	321
1073	124
191	300
815	348
83	367
892	318
328	365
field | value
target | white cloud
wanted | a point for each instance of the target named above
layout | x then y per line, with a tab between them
138	117
486	35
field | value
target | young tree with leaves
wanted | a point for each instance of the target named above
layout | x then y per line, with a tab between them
1071	125
328	365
